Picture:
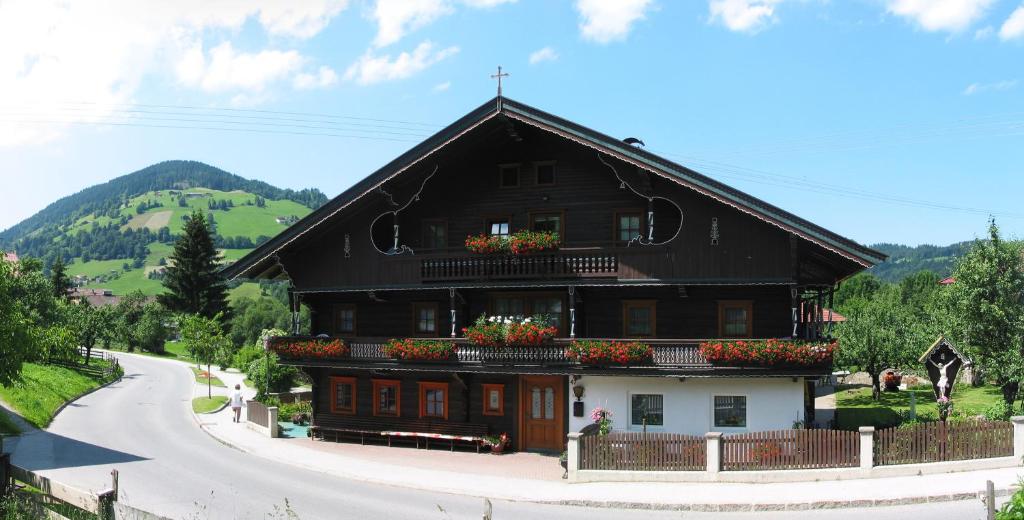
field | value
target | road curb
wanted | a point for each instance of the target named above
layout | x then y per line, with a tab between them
87	392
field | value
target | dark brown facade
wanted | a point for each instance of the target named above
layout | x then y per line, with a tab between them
649	251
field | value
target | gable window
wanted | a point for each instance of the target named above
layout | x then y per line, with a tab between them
730	411
424	317
386	397
494	399
435	234
649	407
550	222
735	319
545	174
508	175
344	319
434	400
498	227
628	226
343	395
638	318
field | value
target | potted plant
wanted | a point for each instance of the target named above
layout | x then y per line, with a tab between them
496	331
412	349
563	460
599	352
498	443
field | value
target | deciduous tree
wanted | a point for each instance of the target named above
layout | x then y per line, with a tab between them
205	341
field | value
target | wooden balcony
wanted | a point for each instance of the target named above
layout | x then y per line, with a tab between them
558	265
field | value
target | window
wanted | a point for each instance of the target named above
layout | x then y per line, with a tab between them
646	406
550	308
638	318
730	411
387	397
547	222
343	395
627	226
345	319
545	174
508	175
424	316
517	304
735	319
434	400
498	227
435	234
494	399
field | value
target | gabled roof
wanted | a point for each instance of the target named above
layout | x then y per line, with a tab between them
938	343
260	259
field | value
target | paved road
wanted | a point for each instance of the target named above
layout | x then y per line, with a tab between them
142	426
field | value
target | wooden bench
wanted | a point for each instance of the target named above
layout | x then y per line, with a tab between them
397	428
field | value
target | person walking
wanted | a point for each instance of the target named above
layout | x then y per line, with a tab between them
236	403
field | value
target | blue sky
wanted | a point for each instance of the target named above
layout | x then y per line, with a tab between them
883	120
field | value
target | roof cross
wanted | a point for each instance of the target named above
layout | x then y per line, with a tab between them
499	75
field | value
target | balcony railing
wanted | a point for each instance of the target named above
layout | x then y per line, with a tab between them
667	352
562	264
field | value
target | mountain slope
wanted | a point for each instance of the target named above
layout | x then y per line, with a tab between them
116	237
906	260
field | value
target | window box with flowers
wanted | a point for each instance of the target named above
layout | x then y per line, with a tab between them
411	349
522	242
597	352
497	331
768	353
306	348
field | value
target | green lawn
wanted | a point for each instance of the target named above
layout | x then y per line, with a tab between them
200	378
44	388
208	404
246	290
855	408
177	350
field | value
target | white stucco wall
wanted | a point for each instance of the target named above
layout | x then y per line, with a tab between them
772	403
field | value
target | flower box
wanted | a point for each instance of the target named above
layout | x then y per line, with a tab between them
411	349
319	348
497	331
596	352
768	353
519	243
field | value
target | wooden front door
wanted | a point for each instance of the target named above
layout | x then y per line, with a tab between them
541	412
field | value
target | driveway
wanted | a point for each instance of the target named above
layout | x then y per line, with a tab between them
142	426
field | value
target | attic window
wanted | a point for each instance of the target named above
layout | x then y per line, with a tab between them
508	175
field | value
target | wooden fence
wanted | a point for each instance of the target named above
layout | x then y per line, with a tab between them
257	413
636	451
939	441
790	449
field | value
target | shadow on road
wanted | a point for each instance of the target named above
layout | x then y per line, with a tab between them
42	450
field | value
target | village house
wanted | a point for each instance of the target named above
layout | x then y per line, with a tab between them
637	266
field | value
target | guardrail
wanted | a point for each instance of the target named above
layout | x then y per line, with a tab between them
549	265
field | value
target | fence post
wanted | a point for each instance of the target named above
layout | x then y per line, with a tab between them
5	472
1018	436
867	447
573	455
272	421
714	451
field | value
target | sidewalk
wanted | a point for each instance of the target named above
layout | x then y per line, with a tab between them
536	478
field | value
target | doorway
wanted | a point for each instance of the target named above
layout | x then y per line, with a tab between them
542	412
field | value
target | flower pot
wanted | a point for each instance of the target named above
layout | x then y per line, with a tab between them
497	449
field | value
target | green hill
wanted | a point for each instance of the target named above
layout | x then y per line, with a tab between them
905	260
118	235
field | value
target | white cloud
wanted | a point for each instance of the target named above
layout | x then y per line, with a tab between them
397	17
227	69
743	15
442	87
54	53
984	33
604	21
323	78
940	15
371	68
1013	27
977	88
485	4
542	55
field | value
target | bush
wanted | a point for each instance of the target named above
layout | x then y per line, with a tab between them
287	410
245	356
998	412
1014	508
280	377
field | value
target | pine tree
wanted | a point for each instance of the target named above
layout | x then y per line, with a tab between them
59	278
194	285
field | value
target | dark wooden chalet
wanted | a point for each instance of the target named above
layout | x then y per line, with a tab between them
650	249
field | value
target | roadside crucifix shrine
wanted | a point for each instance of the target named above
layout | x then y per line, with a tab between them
943	362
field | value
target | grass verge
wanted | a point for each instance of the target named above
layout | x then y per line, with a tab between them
201	377
7	426
45	388
208	404
855	408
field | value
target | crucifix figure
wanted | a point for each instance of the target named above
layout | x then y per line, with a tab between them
499	75
943	377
